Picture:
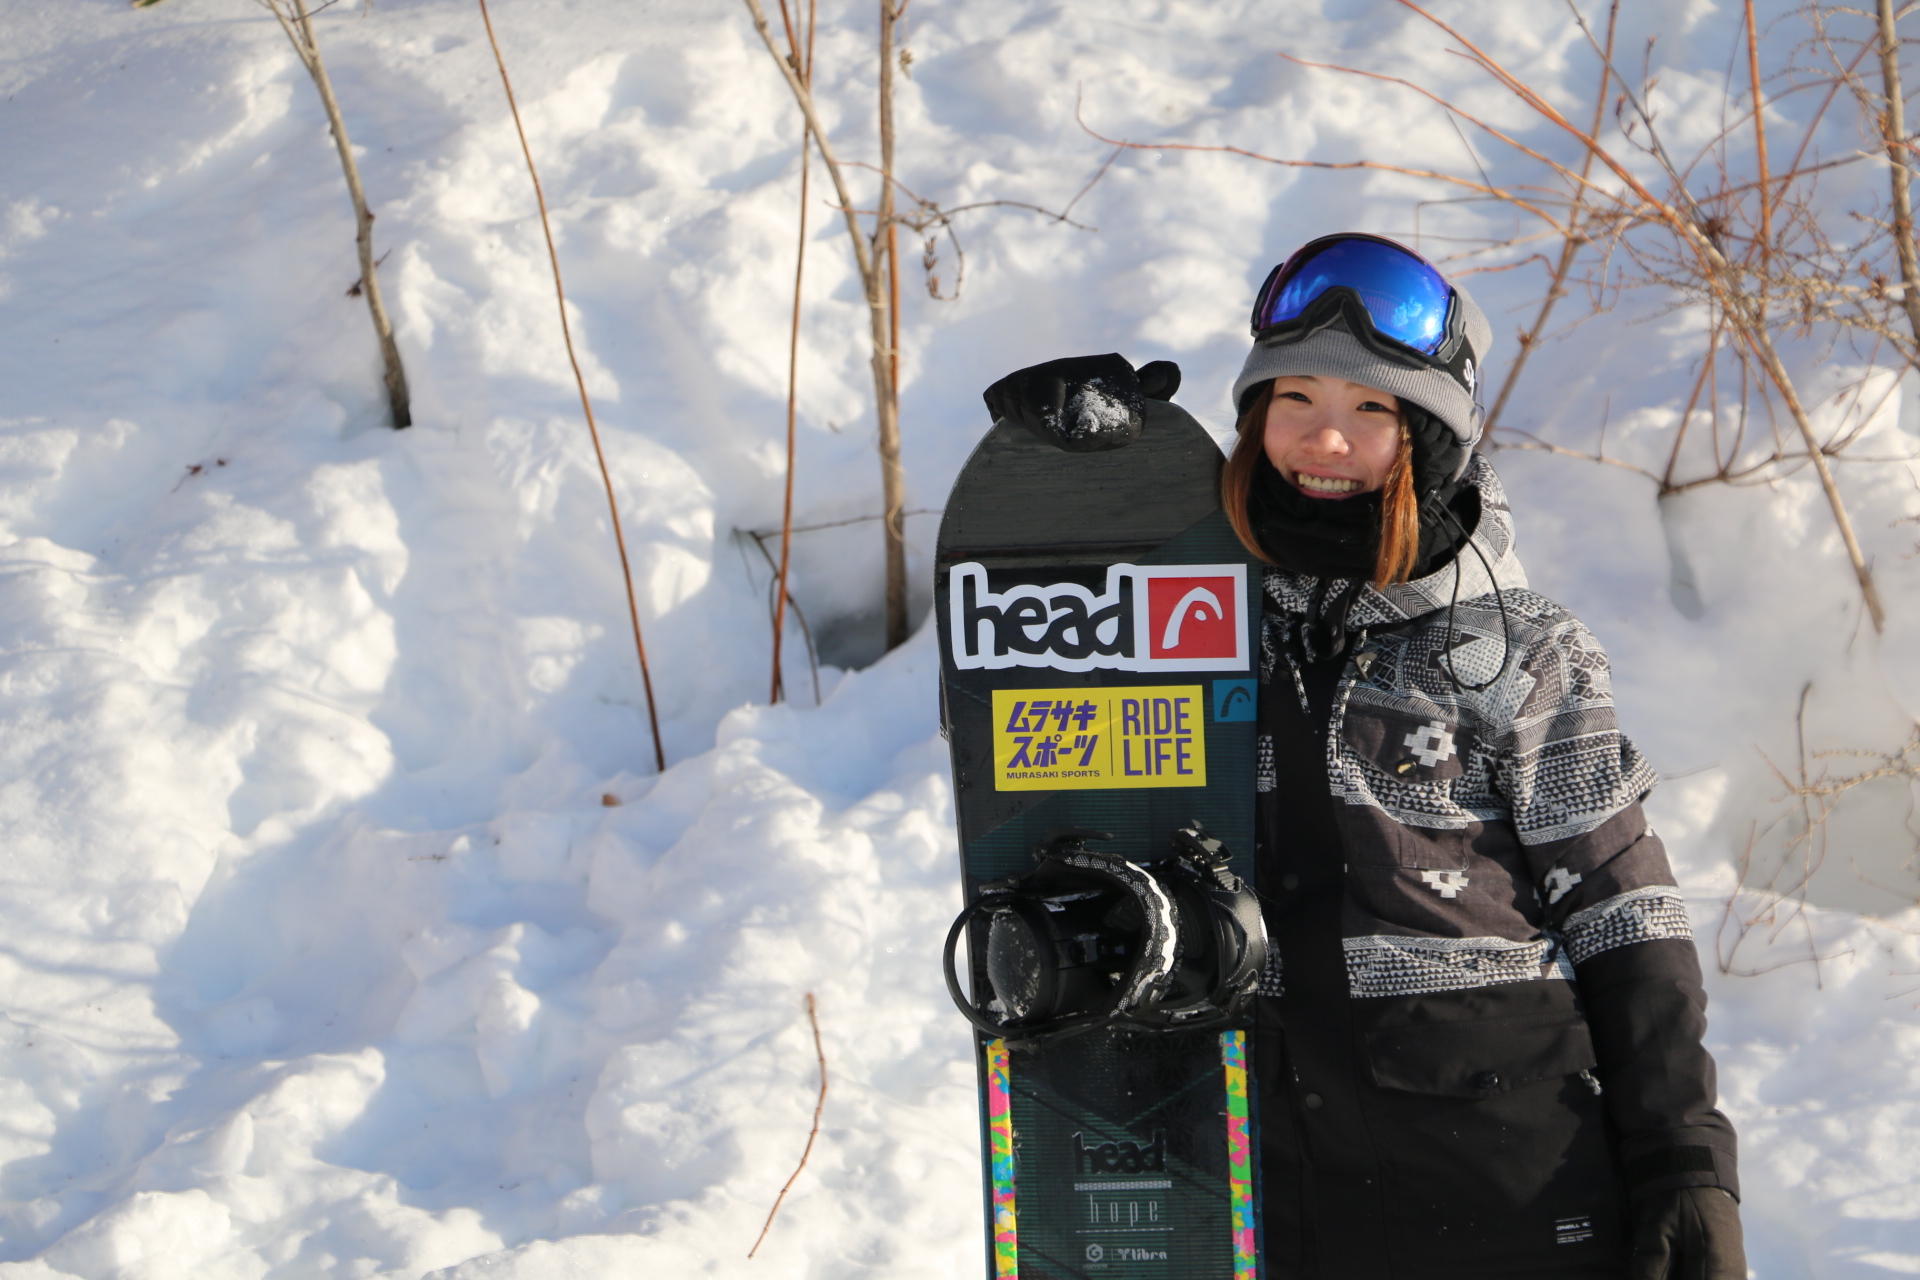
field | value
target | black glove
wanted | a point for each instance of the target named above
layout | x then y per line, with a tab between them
1083	403
1690	1233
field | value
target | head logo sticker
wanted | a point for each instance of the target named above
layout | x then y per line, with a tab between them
1185	617
1235	700
1192	617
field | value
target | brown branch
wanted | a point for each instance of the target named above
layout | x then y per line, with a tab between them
931	211
812	1133
793	369
1556	285
1496	192
1699	384
1535	443
586	403
1091	183
298	28
784	599
1759	144
1453	109
850	520
873	281
893	494
1716	274
1894	130
1762	344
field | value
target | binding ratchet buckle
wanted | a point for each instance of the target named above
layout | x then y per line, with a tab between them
1089	939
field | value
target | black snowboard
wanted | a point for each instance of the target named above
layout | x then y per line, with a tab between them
1096	620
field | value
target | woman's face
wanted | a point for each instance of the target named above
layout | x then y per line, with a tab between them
1332	439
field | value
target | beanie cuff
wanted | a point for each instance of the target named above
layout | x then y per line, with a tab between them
1332	352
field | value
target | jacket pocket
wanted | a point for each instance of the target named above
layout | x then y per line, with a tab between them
1479	1057
1407	746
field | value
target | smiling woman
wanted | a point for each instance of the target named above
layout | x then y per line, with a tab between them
1477	1041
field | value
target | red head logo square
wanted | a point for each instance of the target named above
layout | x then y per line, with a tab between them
1193	617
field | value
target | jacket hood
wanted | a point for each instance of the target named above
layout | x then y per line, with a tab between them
1465	578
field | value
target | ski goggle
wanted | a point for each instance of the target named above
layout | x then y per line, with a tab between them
1405	298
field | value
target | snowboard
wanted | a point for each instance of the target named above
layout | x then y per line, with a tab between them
1097	629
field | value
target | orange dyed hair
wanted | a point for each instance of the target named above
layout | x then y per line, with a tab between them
1399	506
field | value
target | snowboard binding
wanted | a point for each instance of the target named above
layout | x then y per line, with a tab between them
1089	939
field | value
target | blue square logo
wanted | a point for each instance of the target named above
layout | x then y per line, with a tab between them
1234	700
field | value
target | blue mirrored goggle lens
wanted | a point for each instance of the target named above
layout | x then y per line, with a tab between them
1406	298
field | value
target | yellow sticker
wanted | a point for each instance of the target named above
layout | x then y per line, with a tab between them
1072	739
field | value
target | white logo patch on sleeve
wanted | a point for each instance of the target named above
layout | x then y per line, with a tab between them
1447	884
1432	742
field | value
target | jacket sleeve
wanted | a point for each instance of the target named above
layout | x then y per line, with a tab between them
1574	783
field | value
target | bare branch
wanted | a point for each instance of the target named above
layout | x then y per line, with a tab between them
586	402
813	1018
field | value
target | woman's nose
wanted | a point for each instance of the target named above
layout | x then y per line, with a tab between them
1326	440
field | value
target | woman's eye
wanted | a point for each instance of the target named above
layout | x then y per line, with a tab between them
1374	406
1295	395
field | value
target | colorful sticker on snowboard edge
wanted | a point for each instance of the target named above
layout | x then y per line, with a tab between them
1082	739
1233	1054
1006	1241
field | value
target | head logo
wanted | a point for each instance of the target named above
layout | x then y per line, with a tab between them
1192	617
1120	1157
1186	617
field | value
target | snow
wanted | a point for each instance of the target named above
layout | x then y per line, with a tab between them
348	929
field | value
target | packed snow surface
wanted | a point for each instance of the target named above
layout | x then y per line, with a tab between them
348	927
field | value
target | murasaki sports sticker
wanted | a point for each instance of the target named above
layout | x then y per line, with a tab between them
1068	739
1180	617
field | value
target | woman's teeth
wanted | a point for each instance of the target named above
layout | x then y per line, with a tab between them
1326	484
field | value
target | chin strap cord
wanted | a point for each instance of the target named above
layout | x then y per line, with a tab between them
1506	625
1326	619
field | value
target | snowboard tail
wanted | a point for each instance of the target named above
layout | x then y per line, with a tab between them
1109	1201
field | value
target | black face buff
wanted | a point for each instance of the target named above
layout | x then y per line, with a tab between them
1088	939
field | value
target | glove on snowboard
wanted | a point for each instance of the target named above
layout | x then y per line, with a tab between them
1690	1233
1083	403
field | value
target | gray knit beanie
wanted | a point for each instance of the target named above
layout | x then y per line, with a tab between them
1331	352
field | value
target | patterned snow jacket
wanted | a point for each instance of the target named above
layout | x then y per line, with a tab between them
1507	960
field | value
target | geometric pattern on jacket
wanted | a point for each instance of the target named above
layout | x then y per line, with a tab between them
1494	833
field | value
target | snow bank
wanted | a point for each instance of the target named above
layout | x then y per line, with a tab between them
348	929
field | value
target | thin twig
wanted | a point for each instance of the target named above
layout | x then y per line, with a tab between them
812	1133
1534	442
886	409
586	404
1099	174
1699	384
297	25
1496	192
1569	249
931	211
1713	272
1893	130
1760	148
793	364
886	232
799	615
889	227
840	524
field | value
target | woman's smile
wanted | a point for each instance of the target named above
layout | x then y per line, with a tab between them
1329	486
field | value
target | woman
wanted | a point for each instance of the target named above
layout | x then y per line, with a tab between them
1479	1038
